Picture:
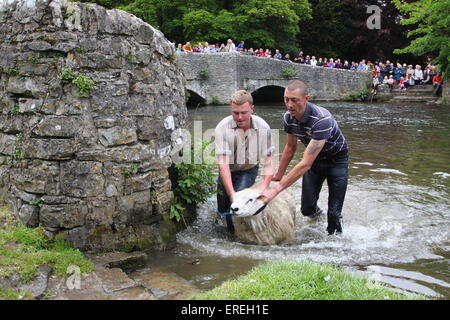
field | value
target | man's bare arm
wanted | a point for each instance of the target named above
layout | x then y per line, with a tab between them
309	156
225	175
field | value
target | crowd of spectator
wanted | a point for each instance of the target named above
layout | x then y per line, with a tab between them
384	73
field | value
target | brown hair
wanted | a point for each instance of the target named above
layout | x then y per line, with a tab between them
298	84
241	97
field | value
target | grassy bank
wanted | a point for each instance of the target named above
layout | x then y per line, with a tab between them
300	281
23	250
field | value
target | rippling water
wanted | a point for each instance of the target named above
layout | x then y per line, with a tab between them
397	207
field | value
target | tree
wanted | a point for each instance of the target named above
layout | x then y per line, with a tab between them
339	29
432	34
260	23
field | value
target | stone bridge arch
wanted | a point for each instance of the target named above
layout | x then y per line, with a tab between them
268	93
194	98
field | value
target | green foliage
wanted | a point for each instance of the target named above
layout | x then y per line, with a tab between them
362	96
10	71
66	75
301	281
130	58
431	23
215	20
17	155
15	110
23	250
196	182
288	73
35	58
83	83
37	203
203	74
215	100
130	171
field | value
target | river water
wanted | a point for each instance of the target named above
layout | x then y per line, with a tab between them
396	211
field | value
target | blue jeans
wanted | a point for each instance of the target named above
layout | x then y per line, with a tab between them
241	180
335	170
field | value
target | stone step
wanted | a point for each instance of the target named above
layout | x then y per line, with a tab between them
411	93
428	98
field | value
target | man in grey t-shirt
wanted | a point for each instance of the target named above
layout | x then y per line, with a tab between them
242	141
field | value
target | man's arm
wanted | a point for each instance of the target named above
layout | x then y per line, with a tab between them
267	173
309	156
288	154
225	175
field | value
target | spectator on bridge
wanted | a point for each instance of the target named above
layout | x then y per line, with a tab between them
401	83
187	47
205	48
230	47
325	63
362	66
313	61
261	52
391	82
346	65
222	48
331	64
241	47
278	55
426	77
339	64
375	84
307	60
418	75
388	70
179	48
287	57
300	58
399	72
437	83
320	62
268	53
410	76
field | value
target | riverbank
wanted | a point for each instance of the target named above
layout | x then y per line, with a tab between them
302	280
33	267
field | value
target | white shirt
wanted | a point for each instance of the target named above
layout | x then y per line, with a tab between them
245	150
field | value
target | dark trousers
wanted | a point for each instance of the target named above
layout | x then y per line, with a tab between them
336	172
241	180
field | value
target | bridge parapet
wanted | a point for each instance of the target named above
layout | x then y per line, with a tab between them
214	77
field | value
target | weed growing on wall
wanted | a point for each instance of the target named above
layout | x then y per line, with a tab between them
83	83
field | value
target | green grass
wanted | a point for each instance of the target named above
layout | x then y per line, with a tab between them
300	281
23	250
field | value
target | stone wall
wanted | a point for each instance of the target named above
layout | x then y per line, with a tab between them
228	72
89	99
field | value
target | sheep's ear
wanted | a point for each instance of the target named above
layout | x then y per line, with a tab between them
263	198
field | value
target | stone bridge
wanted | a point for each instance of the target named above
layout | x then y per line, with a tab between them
212	78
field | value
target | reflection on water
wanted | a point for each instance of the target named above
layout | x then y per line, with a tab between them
397	207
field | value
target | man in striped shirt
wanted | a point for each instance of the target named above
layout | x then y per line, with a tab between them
325	157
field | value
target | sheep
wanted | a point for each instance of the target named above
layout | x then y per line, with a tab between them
273	225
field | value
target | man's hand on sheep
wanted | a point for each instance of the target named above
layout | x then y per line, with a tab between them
269	194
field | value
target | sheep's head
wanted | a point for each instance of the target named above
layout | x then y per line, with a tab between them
247	203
